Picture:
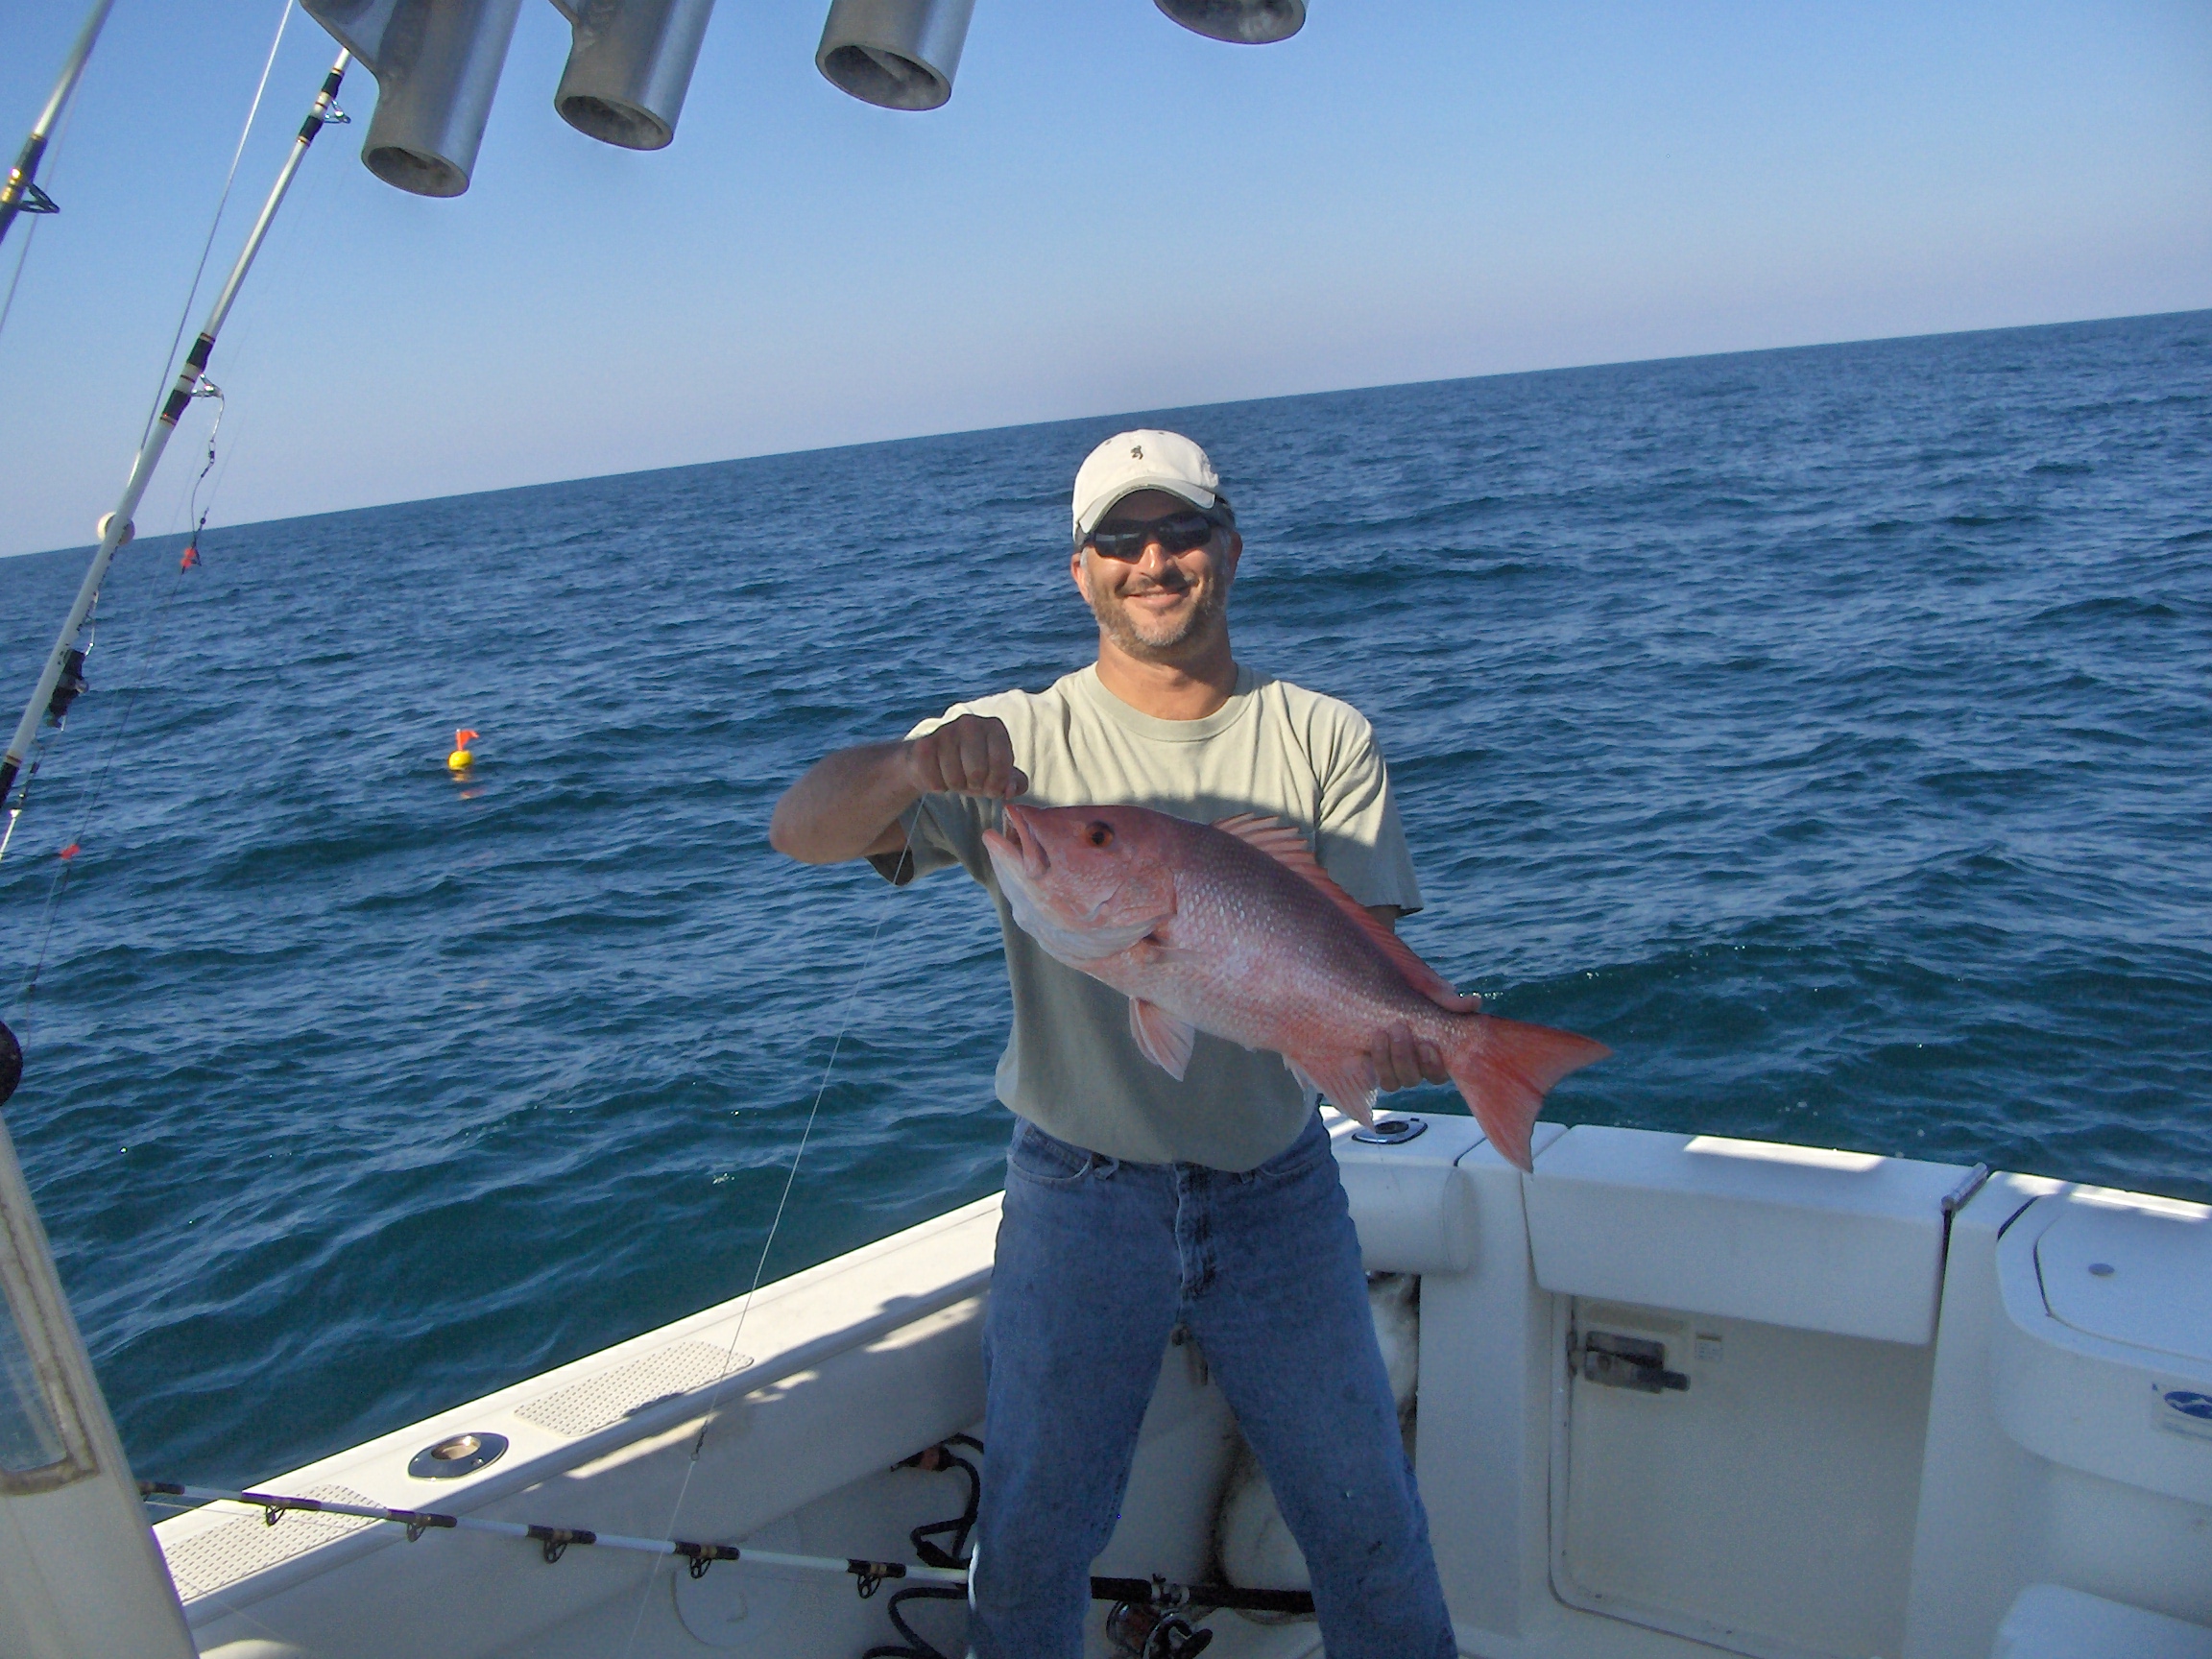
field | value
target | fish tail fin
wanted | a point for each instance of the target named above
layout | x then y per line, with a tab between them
1505	1067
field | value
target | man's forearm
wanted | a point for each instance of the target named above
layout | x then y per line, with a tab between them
848	803
847	806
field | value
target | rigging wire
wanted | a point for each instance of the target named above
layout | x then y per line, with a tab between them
761	1266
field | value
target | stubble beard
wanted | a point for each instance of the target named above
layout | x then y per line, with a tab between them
1167	641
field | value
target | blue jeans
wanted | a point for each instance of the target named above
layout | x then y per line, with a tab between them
1097	1262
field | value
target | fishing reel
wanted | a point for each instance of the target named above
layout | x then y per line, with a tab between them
1146	1630
69	686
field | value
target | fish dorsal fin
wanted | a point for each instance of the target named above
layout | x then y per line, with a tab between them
1282	843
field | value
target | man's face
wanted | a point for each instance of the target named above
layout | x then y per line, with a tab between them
1159	607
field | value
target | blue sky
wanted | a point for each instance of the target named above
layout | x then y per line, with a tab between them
1111	213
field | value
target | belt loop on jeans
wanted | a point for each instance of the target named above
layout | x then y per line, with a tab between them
1104	1166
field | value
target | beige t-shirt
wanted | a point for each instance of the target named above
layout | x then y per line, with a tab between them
1070	1066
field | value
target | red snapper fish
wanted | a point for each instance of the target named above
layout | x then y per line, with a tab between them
1233	928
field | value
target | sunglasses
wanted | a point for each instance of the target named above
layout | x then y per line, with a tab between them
1177	532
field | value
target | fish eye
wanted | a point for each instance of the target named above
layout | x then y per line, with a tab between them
1099	834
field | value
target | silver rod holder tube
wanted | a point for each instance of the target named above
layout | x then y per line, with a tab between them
1240	22
895	54
437	64
630	67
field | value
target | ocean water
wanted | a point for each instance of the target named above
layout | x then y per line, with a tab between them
1825	730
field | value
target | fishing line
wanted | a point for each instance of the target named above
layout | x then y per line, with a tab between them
185	317
283	256
760	1268
30	235
191	555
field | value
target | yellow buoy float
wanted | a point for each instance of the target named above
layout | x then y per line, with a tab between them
459	760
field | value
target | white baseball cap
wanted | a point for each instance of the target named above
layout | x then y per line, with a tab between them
1132	460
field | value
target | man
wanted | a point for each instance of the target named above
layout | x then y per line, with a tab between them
1135	1203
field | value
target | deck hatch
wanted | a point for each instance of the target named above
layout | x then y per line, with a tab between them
1766	1507
2128	1268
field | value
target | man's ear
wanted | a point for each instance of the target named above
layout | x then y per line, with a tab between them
1234	552
1081	576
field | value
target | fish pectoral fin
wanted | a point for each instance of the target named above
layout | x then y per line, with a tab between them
1310	1089
1164	1039
1350	1084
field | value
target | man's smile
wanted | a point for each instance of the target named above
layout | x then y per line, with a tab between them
1173	584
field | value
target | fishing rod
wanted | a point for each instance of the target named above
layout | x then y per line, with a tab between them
1146	1618
116	528
554	1542
19	192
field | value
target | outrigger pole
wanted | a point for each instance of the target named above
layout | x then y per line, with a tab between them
19	192
116	527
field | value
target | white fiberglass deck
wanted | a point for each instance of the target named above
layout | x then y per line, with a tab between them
1676	1396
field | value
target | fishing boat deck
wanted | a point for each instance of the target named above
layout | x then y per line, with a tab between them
1676	1395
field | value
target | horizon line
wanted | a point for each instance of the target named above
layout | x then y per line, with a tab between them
1024	426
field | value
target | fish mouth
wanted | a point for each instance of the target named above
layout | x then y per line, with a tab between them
1021	839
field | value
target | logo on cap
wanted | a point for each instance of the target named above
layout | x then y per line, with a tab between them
1136	452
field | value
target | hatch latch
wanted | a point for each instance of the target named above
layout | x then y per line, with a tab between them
1615	1361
